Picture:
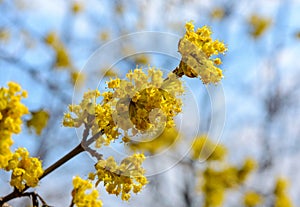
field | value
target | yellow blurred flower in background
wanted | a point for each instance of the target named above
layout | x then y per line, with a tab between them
203	147
77	78
217	13
167	138
38	121
62	56
252	199
77	7
281	195
258	25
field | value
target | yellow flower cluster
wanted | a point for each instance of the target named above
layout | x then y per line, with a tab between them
123	178
281	197
77	78
97	115
38	121
248	166
141	59
104	35
218	13
259	25
82	110
25	170
142	103
107	72
213	188
62	56
146	102
203	147
162	141
218	176
11	111
217	181
77	7
197	49
80	197
252	199
4	34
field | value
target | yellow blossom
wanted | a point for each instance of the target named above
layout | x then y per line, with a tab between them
217	13
252	199
164	140
77	7
107	96
142	103
283	200
248	167
11	111
62	56
123	178
259	25
107	72
141	59
197	49
213	188
145	102
280	191
80	197
61	53
4	35
104	36
119	8
77	78
51	39
38	121
97	115
114	83
215	182
25	170
219	176
203	147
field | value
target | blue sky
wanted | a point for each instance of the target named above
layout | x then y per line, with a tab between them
251	67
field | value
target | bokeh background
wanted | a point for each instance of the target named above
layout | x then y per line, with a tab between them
260	85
